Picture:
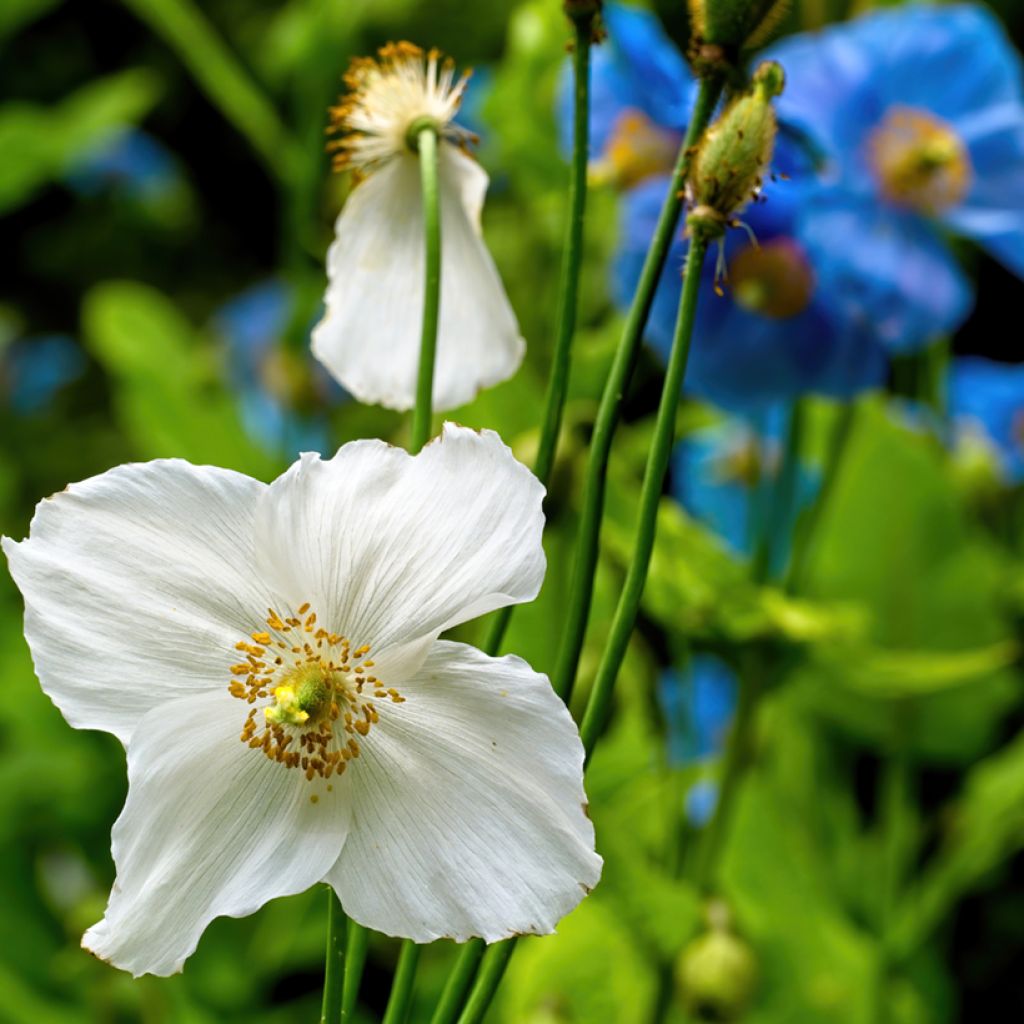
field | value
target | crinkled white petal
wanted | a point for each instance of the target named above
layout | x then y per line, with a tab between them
468	806
391	548
137	585
369	337
210	828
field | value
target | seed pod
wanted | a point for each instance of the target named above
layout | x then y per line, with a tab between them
739	26
734	154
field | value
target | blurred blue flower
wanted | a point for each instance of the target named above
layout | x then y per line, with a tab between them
988	398
698	703
133	161
920	114
273	385
701	800
34	369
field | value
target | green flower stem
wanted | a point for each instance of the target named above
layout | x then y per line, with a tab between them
568	292
458	982
581	590
427	144
355	958
401	987
334	960
492	970
807	530
599	704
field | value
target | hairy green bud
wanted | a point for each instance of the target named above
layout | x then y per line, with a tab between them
740	26
717	975
734	154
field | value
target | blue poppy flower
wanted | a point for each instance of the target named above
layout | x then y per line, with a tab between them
134	161
988	398
271	386
34	369
920	114
698	704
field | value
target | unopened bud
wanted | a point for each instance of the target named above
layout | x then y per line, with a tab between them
717	973
734	154
740	26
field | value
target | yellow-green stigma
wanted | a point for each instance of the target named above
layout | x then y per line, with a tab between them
773	280
919	160
307	695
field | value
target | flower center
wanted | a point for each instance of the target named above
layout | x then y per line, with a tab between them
317	694
919	160
774	279
390	94
637	149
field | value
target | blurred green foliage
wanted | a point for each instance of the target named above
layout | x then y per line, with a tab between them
875	858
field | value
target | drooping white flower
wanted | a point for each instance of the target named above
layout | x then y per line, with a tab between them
269	655
369	337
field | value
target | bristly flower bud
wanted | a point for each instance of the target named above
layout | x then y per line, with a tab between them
737	26
734	154
717	971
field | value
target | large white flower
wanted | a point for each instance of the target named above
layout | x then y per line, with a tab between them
269	656
369	337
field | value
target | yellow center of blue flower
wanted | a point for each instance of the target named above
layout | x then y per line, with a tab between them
321	694
637	149
919	160
773	280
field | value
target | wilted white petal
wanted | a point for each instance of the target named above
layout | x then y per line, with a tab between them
468	806
370	335
137	584
392	548
211	827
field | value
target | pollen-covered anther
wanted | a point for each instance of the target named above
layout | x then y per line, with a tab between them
919	160
403	85
312	696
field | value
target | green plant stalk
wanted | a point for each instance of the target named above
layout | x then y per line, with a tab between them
582	585
427	144
355	959
599	704
806	532
222	77
459	980
568	291
334	960
492	970
401	987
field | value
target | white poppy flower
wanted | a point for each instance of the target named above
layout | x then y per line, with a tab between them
269	656
369	338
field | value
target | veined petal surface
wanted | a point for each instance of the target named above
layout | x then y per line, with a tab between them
369	337
468	806
137	585
211	827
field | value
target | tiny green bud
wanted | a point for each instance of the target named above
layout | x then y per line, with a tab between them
740	26
734	154
717	974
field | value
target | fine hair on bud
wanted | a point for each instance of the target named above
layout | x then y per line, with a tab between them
734	154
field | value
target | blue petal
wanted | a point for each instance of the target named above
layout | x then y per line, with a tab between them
699	703
891	272
991	395
35	369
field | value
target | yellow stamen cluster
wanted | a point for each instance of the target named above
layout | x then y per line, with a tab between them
387	95
322	695
919	160
773	279
637	149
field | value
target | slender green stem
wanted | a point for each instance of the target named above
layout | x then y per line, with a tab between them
568	291
401	986
355	958
599	704
492	970
581	588
458	982
334	960
427	145
807	530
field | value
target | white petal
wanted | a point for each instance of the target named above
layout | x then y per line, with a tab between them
210	828
137	585
370	335
391	548
468	806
